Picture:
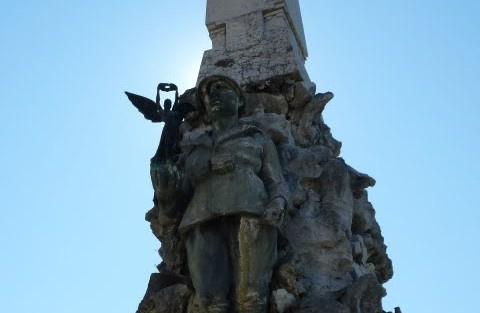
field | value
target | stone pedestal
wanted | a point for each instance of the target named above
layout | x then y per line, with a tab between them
255	40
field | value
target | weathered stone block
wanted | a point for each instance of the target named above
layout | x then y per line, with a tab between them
275	125
172	299
271	103
359	250
365	224
303	93
282	300
222	11
255	40
364	295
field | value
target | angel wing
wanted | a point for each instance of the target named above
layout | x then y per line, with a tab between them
147	107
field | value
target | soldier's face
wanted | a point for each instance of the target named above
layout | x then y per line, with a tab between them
221	100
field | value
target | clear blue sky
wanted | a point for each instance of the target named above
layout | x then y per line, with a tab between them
74	180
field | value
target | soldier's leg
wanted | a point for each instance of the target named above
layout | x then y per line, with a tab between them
257	254
210	270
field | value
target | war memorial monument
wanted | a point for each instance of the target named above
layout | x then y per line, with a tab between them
254	208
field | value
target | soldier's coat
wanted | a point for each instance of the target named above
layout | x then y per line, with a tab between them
237	174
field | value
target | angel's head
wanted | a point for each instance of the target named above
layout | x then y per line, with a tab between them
167	104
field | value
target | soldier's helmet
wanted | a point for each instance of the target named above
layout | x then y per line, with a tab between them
204	86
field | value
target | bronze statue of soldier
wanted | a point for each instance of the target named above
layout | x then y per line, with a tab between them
239	196
236	194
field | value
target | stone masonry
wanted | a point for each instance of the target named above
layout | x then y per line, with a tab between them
254	40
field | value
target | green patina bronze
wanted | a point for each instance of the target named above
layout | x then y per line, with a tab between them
232	181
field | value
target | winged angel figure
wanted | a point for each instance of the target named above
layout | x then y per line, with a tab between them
171	116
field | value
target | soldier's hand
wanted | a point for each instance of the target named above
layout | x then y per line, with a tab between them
274	212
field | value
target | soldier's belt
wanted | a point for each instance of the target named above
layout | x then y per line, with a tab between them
223	163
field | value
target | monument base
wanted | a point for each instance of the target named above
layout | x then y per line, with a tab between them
331	253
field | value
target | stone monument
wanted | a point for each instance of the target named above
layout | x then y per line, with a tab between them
254	208
254	40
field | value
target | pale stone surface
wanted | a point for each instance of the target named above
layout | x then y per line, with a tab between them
275	125
255	40
270	103
222	11
283	300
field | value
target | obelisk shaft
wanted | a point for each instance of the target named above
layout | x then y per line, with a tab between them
254	40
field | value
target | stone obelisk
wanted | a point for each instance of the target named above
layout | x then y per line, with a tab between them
255	40
331	253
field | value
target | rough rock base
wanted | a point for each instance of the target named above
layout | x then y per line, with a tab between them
332	256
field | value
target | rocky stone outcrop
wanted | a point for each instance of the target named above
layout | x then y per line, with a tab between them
171	299
332	256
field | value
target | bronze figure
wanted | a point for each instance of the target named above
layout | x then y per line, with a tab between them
234	196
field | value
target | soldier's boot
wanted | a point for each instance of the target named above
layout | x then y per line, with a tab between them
218	307
251	303
199	304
